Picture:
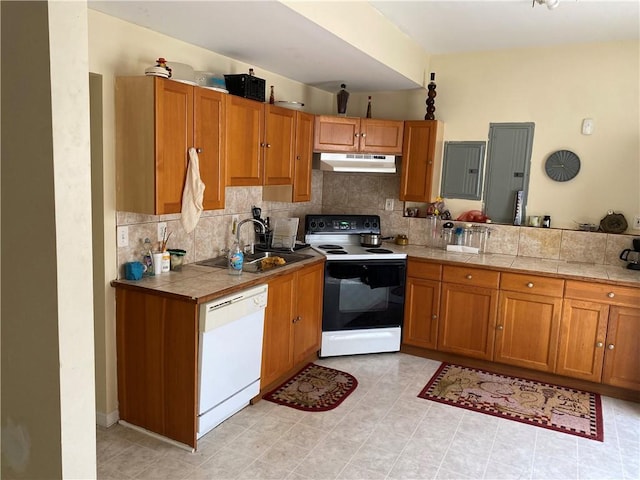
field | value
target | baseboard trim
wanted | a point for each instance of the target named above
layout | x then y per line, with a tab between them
107	419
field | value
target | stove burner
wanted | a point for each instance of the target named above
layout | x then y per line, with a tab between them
378	250
330	247
337	252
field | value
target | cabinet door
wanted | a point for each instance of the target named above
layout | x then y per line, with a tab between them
622	355
277	357
418	157
308	320
336	134
467	320
173	137
209	112
381	136
583	331
303	157
278	147
244	132
421	308
527	330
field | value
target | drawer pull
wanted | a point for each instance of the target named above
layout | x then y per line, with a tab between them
611	294
530	285
599	344
500	327
469	276
611	346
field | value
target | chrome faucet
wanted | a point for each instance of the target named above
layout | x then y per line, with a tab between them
262	227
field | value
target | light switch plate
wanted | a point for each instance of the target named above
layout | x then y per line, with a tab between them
123	236
388	204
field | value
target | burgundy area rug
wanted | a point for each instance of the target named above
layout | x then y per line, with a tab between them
314	389
541	404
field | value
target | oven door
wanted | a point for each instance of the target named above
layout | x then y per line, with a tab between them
363	294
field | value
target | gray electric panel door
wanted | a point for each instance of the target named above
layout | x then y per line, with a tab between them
508	162
462	170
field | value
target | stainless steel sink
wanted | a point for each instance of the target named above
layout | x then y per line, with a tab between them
253	263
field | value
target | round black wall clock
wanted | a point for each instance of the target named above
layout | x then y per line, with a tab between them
562	165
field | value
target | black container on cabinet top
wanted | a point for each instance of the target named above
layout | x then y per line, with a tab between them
247	86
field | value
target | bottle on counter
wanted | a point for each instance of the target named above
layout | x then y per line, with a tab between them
272	97
236	259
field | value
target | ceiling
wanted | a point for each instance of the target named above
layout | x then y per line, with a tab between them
271	36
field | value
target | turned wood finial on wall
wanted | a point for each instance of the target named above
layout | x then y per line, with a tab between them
431	98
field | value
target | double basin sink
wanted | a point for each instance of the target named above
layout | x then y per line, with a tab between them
258	262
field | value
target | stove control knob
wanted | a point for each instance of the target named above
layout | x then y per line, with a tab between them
312	224
367	224
321	224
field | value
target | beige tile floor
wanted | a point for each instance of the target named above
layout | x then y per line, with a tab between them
382	431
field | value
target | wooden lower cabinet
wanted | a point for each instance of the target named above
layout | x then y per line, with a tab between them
292	321
468	311
600	334
422	304
157	351
529	310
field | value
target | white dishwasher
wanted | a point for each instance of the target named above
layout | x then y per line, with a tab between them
230	355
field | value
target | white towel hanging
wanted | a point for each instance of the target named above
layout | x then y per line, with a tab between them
193	193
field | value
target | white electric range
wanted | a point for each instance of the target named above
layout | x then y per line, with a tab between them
363	300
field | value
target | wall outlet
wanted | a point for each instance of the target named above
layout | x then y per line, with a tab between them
636	222
123	236
388	204
162	230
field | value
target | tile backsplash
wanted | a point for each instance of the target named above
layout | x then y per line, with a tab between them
343	193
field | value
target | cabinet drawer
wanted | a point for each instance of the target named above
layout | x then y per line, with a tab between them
471	276
596	292
525	283
425	270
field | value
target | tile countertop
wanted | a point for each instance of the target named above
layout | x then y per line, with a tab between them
618	275
202	284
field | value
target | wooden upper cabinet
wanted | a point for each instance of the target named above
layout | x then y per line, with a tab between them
381	136
157	121
351	134
209	127
244	135
303	157
421	150
279	145
260	143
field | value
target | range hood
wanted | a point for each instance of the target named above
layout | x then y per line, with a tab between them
355	162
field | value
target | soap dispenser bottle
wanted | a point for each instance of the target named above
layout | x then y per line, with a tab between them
236	259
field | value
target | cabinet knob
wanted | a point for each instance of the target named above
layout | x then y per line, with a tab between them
297	319
469	276
611	294
198	150
363	135
599	344
268	145
297	157
500	327
530	285
611	346
434	316
357	135
262	144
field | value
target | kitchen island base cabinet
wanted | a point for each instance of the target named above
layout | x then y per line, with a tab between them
292	323
157	342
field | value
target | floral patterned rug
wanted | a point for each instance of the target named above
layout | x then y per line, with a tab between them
314	389
527	401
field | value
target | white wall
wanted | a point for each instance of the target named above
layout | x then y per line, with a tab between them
555	88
